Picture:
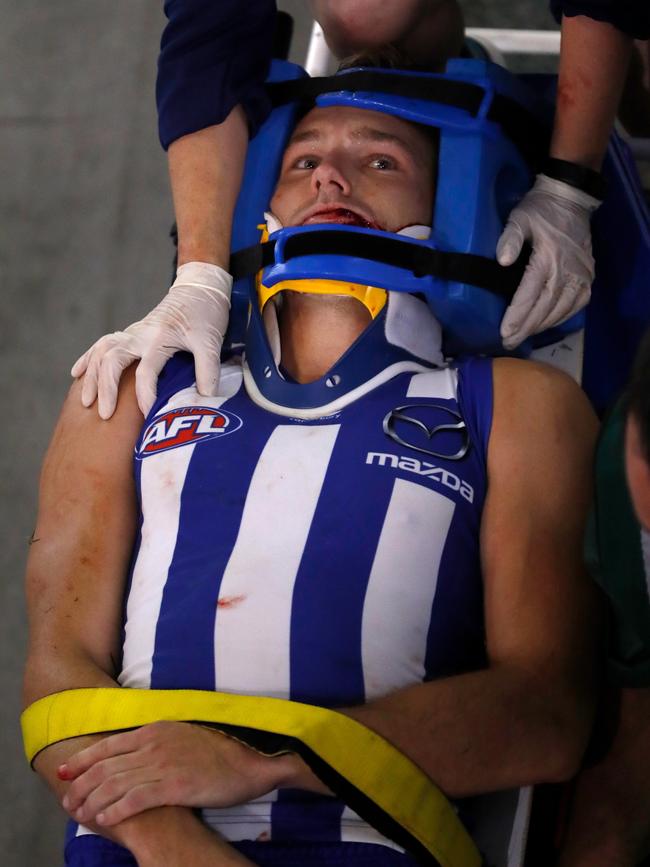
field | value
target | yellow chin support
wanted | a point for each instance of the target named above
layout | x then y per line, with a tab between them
372	297
377	781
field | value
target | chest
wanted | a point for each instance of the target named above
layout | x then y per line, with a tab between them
330	560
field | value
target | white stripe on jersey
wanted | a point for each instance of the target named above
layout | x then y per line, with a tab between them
264	562
434	383
160	512
162	481
250	821
402	587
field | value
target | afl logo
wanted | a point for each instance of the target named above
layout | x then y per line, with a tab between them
185	426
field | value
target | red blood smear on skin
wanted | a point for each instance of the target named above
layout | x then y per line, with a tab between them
229	601
571	92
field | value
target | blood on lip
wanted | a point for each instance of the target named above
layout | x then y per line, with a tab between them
344	216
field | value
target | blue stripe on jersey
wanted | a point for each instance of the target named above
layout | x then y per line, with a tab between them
457	643
456	637
323	855
94	851
476	402
91	850
177	374
71	828
184	648
300	815
327	605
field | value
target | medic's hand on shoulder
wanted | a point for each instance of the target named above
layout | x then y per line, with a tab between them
193	316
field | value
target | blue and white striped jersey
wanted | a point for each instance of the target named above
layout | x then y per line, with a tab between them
328	561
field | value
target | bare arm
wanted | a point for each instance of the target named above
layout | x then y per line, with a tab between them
526	718
205	169
76	570
610	816
554	216
79	555
593	67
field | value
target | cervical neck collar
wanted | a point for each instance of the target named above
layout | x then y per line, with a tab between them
403	337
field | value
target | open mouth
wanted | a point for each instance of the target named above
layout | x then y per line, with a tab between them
342	216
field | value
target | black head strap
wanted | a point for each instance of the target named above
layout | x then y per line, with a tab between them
421	261
520	125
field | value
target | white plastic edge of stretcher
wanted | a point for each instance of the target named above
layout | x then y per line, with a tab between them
505	41
518	41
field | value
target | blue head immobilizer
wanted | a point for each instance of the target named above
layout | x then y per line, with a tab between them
492	133
489	129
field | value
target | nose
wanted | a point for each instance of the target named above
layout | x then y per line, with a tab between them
330	175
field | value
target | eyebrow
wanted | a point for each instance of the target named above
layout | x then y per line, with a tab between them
363	133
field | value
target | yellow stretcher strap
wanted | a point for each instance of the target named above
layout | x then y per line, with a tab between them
374	778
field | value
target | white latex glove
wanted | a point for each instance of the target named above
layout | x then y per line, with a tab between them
554	217
192	316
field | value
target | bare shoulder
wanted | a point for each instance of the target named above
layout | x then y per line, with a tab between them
81	432
537	398
543	433
88	453
534	382
126	408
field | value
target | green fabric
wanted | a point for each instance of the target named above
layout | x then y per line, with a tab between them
615	558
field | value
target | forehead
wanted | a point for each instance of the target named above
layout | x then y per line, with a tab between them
321	124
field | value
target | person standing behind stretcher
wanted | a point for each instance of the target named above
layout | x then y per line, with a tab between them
210	48
610	815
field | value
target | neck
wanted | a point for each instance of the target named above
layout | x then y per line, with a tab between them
315	331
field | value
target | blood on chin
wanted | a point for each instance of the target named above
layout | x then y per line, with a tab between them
344	217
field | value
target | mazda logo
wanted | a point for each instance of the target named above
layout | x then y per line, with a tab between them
413	428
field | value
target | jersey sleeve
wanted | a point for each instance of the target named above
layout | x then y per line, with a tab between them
618	556
213	56
630	16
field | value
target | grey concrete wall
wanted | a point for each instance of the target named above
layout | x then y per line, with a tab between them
83	249
85	213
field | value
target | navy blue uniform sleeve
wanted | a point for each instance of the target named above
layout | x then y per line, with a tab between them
214	55
630	16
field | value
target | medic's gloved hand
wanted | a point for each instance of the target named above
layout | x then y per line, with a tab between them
554	217
192	316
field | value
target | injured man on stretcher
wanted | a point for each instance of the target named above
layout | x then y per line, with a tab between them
410	555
